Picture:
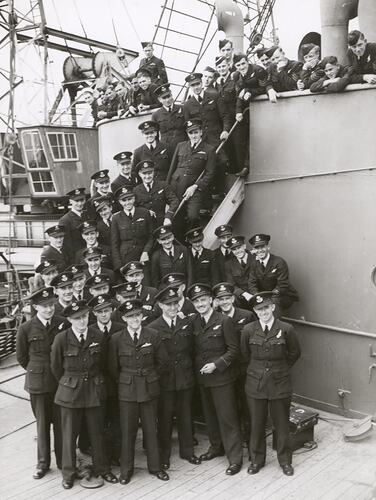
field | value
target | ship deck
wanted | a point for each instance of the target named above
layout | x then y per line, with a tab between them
334	470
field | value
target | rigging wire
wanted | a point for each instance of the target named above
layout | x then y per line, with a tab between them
131	21
82	24
113	24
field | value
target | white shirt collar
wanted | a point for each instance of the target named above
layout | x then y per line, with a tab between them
169	320
269	325
101	326
77	213
231	313
95	273
199	95
78	335
58	249
265	261
207	316
131	212
169	251
194	252
132	334
43	321
154	144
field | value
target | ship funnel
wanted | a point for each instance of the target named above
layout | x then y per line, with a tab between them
230	20
335	16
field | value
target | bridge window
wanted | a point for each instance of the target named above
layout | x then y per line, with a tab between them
37	166
63	146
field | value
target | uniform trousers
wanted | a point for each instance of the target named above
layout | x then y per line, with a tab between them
280	414
47	413
70	424
169	403
220	412
242	406
130	413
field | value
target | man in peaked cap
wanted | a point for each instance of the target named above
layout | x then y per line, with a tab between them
170	119
225	298
153	150
77	363
126	176
93	258
101	184
270	347
33	350
222	253
90	234
362	58
155	66
102	309
70	222
178	382
131	230
137	377
55	248
63	285
155	195
47	271
169	257
79	279
216	357
98	285
202	266
269	272
237	269
103	206
191	175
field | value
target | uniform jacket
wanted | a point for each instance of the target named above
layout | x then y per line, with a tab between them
344	74
148	98
363	65
147	296
286	79
137	367
274	277
269	358
33	350
104	235
160	156
157	69
221	260
51	253
110	107
212	112
72	240
227	94
106	254
204	269
255	81
171	126
217	343
79	369
89	209
121	181
178	343
157	199
129	238
162	264
188	164
237	275
311	75
103	270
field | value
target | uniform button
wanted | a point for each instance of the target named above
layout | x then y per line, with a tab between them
175	362
266	349
266	369
137	357
85	359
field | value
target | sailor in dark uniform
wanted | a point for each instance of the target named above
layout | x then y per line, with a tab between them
77	364
55	248
270	347
170	118
191	175
222	253
103	206
178	281
101	184
225	299
125	177
209	76
284	73
90	234
155	65
134	272
270	272
202	266
178	381
135	359
47	271
237	270
226	49
147	99
63	287
70	222
122	292
169	257
216	348
155	195
131	231
98	285
102	309
153	150
33	350
362	58
93	258
79	279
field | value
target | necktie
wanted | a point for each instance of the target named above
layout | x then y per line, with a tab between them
79	296
199	99
129	214
48	324
105	331
151	149
171	254
203	322
148	187
135	338
172	324
244	263
196	254
82	339
266	331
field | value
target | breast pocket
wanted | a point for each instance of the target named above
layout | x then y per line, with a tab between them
37	343
125	358
147	356
66	391
139	228
215	339
71	358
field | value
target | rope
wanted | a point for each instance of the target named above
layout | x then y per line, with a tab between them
130	20
82	24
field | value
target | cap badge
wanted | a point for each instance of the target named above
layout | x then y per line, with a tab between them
45	293
222	288
171	279
100	300
129	305
75	306
76	191
64	277
258	299
189	123
146	164
46	263
171	293
74	269
197	289
97	279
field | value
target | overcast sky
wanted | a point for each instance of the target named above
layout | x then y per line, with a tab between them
130	21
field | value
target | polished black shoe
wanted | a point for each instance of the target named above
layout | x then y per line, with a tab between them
161	474
67	484
39	473
288	469
165	465
243	172
209	455
233	469
125	479
194	460
109	477
254	468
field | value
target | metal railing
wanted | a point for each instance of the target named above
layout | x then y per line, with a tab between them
24	233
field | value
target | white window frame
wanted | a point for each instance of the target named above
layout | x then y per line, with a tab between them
64	145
